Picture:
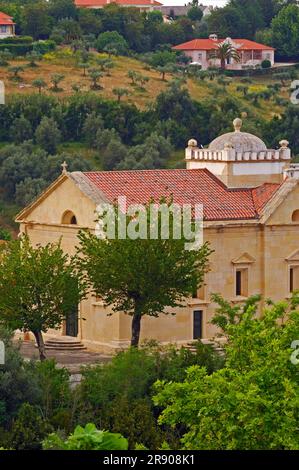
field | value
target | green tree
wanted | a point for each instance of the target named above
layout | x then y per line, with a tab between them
33	57
16	70
240	406
39	287
36	21
120	92
28	189
165	69
141	276
39	83
18	383
5	56
48	135
92	124
114	40
60	9
95	76
195	13
285	31
84	66
71	29
20	130
56	78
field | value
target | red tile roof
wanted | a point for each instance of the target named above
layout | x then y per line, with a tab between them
186	187
101	3
5	19
210	44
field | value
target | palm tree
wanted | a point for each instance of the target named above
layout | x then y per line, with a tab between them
224	52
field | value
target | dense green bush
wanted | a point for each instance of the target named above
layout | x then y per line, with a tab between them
17	49
114	40
42	47
17	40
28	429
266	64
88	438
117	396
4	234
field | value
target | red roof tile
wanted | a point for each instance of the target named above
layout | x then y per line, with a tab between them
263	194
5	19
210	44
186	187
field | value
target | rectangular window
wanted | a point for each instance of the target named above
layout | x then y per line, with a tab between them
3	29
197	324
294	279
199	293
241	282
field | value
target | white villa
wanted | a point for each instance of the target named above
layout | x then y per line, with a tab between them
251	53
7	26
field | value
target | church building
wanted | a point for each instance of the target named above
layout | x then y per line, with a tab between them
250	197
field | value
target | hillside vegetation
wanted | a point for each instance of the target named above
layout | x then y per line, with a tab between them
63	62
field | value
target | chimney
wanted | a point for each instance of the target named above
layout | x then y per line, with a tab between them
214	37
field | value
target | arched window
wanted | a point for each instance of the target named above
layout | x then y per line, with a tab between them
295	216
69	218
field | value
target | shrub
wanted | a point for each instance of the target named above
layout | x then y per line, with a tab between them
117	396
113	39
17	40
43	47
29	429
48	135
5	234
17	382
16	49
266	64
88	438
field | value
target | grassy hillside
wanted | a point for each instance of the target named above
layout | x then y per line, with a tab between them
65	63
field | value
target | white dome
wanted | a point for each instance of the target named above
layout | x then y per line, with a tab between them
240	141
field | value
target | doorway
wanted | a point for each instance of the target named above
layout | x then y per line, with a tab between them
72	323
197	324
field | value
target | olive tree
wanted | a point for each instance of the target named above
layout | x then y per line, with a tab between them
39	287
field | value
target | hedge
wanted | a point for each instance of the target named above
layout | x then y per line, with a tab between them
17	40
42	47
16	49
256	72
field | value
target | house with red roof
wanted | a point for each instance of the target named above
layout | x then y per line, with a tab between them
250	200
251	54
142	5
7	26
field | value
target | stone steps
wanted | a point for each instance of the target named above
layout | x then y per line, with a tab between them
217	348
64	344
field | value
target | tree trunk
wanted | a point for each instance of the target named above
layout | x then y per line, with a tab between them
40	344
223	64
136	324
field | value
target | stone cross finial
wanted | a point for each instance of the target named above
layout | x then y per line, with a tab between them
64	168
237	124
